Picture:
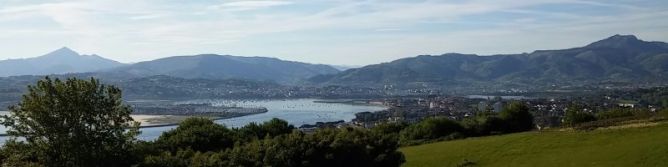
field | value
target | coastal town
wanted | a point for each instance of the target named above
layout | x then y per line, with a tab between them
548	112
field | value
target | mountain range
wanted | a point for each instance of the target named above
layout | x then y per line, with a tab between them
61	61
211	66
204	66
619	58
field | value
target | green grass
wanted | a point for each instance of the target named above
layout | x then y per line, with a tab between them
645	146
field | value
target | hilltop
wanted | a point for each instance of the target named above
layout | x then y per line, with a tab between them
60	61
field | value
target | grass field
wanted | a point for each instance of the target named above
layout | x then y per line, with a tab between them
636	146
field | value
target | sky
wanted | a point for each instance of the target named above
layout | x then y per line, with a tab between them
341	32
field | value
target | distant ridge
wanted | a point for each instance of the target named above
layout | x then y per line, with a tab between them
212	66
619	58
60	61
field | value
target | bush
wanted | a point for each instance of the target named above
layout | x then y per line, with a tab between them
324	148
517	117
431	128
389	128
575	115
198	134
664	113
271	128
482	125
615	113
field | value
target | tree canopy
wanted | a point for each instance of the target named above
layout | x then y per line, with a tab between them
72	123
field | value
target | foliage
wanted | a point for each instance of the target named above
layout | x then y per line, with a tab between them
389	128
197	142
271	128
15	153
199	134
72	123
575	115
664	113
517	117
615	113
326	147
431	128
484	125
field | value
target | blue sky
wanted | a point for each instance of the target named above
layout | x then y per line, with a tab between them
350	32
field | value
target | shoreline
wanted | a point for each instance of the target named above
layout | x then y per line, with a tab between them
152	121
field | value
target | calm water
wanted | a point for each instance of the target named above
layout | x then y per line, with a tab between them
296	111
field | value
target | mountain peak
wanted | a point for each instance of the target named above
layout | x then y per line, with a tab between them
623	37
60	61
62	52
617	41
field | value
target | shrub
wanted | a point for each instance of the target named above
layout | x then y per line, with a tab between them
431	128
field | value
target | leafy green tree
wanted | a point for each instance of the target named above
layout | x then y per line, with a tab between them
271	128
431	128
517	117
73	123
181	158
198	134
389	128
575	115
324	148
483	125
15	153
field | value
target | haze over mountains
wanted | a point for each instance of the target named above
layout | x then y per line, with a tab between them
63	60
620	58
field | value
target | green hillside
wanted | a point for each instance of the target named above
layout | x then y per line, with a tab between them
645	146
619	58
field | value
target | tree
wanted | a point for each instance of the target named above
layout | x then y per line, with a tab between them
323	148
483	125
432	128
517	117
575	115
198	134
271	128
73	123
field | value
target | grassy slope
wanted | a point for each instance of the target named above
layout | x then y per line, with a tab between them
646	146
